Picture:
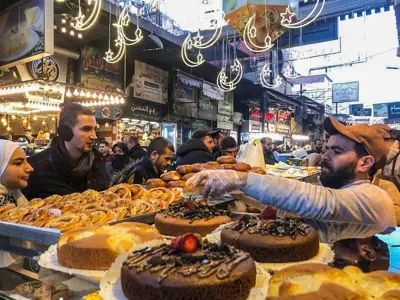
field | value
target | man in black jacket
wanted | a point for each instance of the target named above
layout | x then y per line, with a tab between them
70	164
159	158
136	152
198	149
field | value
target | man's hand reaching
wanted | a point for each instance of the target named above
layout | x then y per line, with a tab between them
218	183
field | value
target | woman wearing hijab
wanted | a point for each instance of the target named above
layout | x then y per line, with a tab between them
121	160
14	173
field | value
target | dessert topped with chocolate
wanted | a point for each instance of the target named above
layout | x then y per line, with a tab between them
190	216
164	271
279	240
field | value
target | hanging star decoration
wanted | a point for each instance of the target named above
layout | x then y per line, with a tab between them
235	67
278	81
197	39
287	16
109	55
223	77
79	20
267	72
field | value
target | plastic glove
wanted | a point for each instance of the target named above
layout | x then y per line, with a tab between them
219	182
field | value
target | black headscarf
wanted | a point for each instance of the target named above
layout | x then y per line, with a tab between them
120	161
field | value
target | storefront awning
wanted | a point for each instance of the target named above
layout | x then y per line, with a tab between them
212	91
188	81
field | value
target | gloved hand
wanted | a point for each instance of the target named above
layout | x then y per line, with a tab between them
219	182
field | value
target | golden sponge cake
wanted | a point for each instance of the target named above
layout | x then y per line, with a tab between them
96	248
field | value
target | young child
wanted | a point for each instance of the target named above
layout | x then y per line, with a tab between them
14	173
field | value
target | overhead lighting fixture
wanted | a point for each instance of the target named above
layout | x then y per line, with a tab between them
63	29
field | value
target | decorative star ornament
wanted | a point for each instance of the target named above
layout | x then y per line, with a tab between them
267	72
287	16
79	20
197	39
109	55
278	81
223	77
235	67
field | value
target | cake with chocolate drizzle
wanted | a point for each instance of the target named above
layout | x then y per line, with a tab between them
190	216
188	269
273	241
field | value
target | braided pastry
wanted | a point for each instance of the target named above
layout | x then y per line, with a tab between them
122	212
137	191
158	204
100	215
92	196
6	207
141	207
121	190
37	217
55	199
68	222
36	203
109	197
163	194
178	195
14	215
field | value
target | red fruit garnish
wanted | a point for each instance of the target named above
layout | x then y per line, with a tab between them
175	243
269	213
203	203
189	243
189	204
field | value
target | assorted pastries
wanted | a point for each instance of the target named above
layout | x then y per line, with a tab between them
90	207
96	248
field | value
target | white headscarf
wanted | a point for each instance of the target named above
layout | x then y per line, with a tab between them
300	153
7	149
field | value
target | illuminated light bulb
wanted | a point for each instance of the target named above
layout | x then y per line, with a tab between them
53	119
116	100
122	101
5	124
8	128
34	118
29	127
95	103
63	21
44	122
46	87
72	33
106	97
88	95
24	121
80	35
63	30
101	96
69	94
3	120
82	94
13	117
94	96
76	93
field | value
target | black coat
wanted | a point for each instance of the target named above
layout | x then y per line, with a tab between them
137	152
48	178
192	152
138	172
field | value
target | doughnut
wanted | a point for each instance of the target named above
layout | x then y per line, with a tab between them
242	167
68	222
171	176
156	183
226	160
176	184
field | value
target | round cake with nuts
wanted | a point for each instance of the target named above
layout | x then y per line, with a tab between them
273	241
190	216
188	269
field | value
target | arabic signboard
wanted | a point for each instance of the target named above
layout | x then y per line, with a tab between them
96	73
308	79
255	126
345	92
144	110
381	110
225	107
26	33
108	112
394	110
150	83
185	101
46	68
358	110
207	108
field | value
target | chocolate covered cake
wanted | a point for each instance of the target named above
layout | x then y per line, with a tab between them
188	270
190	216
273	241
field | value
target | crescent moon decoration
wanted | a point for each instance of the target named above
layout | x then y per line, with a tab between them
250	32
83	23
288	15
196	43
110	57
188	44
266	71
228	86
288	72
124	21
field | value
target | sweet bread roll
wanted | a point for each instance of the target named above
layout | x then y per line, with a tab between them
68	222
6	207
176	184
121	190
101	216
36	203
137	191
109	197
242	167
187	176
210	167
190	190
163	194
213	163
198	168
258	170
96	248
91	196
37	217
185	169
141	207
229	166
171	176
178	195
156	183
14	215
226	160
317	281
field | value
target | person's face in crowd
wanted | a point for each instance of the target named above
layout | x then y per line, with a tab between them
217	141
209	142
231	151
318	146
28	134
84	133
267	145
103	149
360	253
118	151
340	163
17	173
163	161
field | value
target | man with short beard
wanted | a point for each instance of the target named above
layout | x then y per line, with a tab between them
353	154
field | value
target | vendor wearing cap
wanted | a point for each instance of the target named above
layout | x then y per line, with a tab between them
198	149
347	194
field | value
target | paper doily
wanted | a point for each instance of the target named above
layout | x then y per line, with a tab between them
49	260
110	284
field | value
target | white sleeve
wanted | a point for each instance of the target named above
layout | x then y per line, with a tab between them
361	203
